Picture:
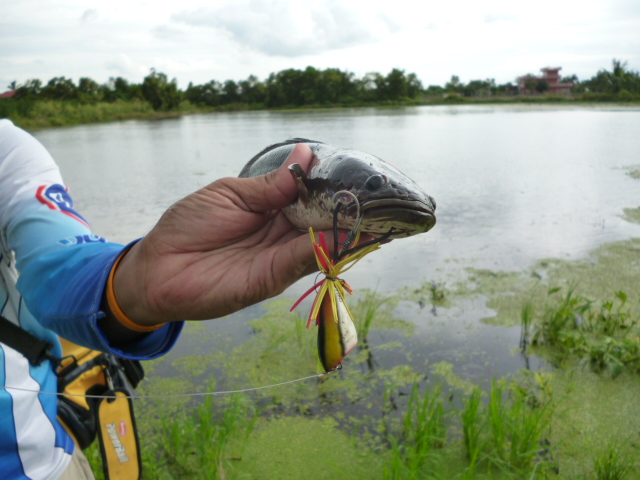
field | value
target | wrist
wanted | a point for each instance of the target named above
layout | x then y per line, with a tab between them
126	294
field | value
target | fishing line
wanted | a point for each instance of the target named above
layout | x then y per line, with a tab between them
169	395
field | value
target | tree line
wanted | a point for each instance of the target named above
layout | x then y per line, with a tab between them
619	81
296	88
289	87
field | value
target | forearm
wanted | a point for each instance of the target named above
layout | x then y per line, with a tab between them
63	266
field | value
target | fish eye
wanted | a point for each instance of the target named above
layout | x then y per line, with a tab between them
375	182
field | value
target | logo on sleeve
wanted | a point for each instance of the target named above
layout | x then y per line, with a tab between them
80	239
57	197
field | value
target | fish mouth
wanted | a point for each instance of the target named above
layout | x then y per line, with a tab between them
407	217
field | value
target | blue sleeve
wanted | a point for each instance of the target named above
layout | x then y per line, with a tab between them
63	267
63	288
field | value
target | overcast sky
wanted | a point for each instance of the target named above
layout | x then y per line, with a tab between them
196	40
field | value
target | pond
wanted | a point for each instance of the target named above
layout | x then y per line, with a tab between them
513	184
529	197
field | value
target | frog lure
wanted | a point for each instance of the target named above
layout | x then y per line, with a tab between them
337	333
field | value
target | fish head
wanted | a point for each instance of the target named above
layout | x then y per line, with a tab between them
386	198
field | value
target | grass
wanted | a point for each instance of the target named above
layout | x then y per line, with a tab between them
611	463
527	321
602	332
199	446
365	311
518	426
421	431
472	428
556	325
506	434
500	433
34	115
204	444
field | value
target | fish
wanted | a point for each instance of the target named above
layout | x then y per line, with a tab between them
373	192
378	199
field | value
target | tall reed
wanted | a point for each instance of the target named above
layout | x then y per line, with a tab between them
472	428
611	463
197	447
365	312
507	432
422	431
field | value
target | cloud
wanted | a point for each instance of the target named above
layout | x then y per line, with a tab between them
623	8
499	17
168	32
125	67
220	39
280	28
89	15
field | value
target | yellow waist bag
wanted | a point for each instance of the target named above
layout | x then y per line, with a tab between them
83	371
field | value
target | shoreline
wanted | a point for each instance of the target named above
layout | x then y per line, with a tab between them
52	113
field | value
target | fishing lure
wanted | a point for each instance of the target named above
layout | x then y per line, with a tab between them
337	333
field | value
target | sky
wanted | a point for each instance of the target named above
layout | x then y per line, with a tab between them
198	41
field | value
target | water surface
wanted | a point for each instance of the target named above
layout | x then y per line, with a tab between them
513	184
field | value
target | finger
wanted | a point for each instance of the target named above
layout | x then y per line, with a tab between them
294	261
276	189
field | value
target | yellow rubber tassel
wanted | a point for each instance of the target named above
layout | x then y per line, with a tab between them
337	334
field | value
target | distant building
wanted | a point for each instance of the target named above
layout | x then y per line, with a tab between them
8	94
531	84
511	89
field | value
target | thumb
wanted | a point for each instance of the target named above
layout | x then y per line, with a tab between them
276	189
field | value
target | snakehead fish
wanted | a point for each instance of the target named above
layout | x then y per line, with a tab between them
387	198
378	199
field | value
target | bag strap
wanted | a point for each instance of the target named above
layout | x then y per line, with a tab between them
33	348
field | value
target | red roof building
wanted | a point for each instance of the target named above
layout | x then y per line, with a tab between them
551	76
8	94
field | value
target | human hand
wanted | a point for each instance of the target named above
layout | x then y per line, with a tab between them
222	248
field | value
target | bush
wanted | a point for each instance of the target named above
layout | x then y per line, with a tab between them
454	98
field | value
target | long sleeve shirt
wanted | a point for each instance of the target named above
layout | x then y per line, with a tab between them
63	269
